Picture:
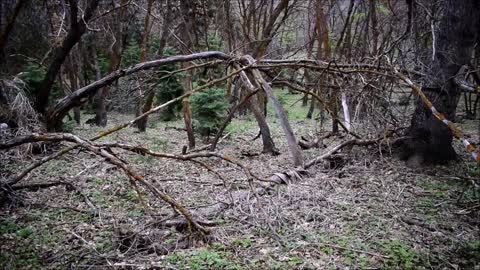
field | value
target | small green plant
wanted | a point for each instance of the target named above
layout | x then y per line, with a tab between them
131	54
159	144
400	256
168	87
69	125
25	232
244	243
208	108
204	259
33	75
473	170
294	262
8	226
470	253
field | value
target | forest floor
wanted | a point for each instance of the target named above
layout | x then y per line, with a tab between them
368	210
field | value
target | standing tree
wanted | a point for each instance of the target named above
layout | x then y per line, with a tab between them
78	27
456	38
115	57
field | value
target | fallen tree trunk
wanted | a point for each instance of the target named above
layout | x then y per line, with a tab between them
81	95
130	172
39	163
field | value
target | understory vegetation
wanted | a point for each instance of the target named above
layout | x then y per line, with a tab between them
212	134
342	216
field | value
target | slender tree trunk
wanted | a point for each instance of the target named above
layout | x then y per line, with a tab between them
144	53
142	124
101	117
268	144
375	33
456	38
187	117
293	147
77	29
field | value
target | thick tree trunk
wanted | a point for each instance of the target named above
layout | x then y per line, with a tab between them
432	140
9	26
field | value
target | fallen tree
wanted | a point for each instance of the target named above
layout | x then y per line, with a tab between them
80	96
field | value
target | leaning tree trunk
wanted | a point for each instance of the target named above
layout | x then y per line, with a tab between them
432	140
10	23
77	29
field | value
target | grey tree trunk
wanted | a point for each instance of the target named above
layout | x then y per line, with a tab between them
458	31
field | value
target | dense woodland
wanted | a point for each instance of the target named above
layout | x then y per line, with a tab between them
240	134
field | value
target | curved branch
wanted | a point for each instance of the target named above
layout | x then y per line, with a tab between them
79	96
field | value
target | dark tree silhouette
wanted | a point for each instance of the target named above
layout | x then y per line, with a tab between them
458	32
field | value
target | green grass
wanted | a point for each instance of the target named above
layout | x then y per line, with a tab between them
21	244
291	103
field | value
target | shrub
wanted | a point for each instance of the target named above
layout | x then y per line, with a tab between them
168	88
33	75
208	108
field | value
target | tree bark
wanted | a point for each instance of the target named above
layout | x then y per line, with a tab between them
295	151
142	124
81	95
187	117
268	144
9	26
77	29
101	117
144	54
431	139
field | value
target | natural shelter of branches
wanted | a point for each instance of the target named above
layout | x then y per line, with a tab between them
205	116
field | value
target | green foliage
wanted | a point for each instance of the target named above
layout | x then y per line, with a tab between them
159	144
33	76
294	262
244	243
169	87
237	126
209	108
382	9
470	253
8	226
204	259
214	43
287	38
400	256
25	232
18	256
358	15
473	170
69	125
131	54
103	63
